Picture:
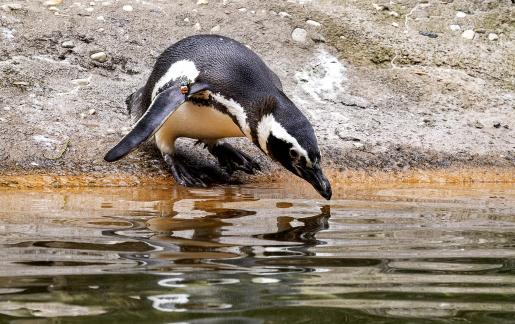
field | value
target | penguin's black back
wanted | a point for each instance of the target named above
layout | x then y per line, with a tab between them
227	66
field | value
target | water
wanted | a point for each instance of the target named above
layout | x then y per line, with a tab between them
391	254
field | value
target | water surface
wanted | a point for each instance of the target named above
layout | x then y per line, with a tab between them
385	254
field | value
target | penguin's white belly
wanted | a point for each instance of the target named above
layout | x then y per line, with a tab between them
193	121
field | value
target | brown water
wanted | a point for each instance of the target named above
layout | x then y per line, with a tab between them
386	254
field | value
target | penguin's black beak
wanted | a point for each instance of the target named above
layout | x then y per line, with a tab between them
316	177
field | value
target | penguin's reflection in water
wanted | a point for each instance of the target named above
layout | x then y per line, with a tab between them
205	234
304	233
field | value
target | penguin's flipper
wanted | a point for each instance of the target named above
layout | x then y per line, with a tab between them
160	109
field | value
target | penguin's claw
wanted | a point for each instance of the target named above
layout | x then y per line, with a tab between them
182	175
232	159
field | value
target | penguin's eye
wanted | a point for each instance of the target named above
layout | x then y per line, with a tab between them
294	154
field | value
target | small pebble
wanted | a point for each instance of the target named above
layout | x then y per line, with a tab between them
394	24
478	125
202	2
461	14
497	125
242	9
99	57
455	27
54	9
283	14
313	23
215	29
125	130
7	108
187	20
82	115
89	9
394	13
299	35
92	111
68	44
110	131
197	27
11	6
468	34
127	8
428	34
493	37
100	18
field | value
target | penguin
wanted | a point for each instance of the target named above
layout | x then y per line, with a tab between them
211	87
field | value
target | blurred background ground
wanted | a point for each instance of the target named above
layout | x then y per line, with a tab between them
389	85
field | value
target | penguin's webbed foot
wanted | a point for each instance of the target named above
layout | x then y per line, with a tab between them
232	159
183	175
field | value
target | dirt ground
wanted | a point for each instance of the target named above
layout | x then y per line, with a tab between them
391	85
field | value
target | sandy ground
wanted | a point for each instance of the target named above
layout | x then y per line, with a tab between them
388	86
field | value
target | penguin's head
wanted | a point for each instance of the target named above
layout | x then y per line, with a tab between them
287	136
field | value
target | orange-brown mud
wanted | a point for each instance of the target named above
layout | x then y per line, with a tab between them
338	178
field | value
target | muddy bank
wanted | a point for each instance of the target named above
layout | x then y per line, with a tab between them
398	87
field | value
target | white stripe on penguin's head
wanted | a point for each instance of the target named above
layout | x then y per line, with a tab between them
183	68
268	125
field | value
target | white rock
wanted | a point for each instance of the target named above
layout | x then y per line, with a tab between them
461	14
92	111
197	27
187	20
284	14
215	29
6	108
68	44
313	23
81	82
52	3
54	9
106	3
358	145
468	34
377	7
127	8
110	131
455	27
242	9
299	35
394	24
99	57
100	18
394	13
89	9
91	3
493	37
202	2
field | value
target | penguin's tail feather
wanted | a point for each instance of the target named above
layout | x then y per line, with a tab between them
134	104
